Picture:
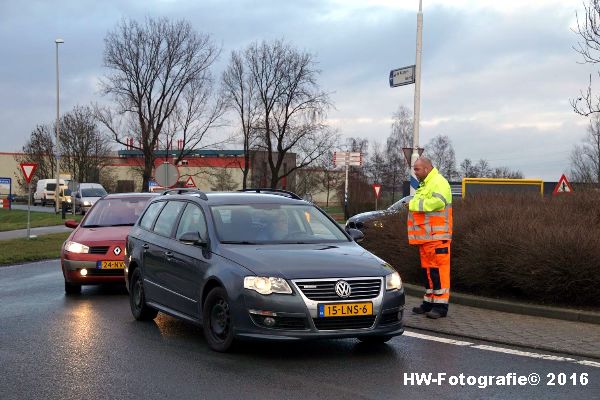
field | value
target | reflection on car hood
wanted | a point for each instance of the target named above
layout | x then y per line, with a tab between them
90	199
92	235
369	215
302	261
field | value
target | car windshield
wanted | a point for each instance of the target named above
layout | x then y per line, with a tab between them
93	192
115	212
274	224
66	192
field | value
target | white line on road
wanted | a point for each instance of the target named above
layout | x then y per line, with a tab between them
502	349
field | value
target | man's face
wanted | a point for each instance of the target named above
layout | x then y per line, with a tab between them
421	170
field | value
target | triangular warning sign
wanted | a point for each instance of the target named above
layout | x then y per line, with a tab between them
190	183
377	189
563	186
28	170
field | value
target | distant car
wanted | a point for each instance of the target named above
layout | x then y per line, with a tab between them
258	266
87	194
94	251
358	221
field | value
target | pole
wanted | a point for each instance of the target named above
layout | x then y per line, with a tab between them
29	212
346	190
56	191
414	182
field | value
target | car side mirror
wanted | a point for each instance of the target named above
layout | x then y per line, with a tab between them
356	235
192	238
71	223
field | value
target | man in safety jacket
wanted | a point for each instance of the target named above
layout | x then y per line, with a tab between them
430	227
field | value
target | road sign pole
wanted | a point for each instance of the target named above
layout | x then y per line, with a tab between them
346	193
414	183
29	212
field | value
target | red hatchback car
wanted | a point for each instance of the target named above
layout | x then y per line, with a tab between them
94	252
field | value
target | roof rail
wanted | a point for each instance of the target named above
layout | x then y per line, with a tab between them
200	193
279	192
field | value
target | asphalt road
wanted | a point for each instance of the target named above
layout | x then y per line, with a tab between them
90	347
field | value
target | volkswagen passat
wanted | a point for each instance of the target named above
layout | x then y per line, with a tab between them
258	265
94	251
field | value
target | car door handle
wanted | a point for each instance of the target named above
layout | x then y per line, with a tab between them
146	246
168	253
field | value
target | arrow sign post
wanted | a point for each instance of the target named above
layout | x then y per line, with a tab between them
28	170
377	189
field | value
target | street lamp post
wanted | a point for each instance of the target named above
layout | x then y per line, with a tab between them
57	151
414	182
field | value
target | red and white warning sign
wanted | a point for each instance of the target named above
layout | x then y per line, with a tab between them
28	170
190	183
377	189
563	186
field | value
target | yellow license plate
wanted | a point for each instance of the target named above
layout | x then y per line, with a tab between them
345	309
111	264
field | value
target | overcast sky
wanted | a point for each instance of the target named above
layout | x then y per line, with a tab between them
497	76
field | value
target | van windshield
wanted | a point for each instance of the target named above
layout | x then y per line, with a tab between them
93	192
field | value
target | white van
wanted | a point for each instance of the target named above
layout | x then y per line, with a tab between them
45	190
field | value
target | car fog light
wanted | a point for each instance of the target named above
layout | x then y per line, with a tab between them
83	272
269	321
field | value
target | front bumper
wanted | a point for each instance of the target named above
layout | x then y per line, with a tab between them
297	319
72	273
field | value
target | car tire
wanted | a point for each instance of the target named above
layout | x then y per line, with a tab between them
137	300
375	340
217	322
72	288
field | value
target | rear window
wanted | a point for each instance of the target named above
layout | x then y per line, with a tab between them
150	215
116	212
93	192
165	224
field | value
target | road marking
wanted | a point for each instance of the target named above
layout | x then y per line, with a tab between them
437	339
503	350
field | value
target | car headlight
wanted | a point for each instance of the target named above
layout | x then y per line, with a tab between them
267	285
87	203
68	200
393	281
74	247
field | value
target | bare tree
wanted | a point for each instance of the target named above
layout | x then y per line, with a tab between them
292	106
585	158
39	149
239	91
222	180
330	178
85	149
588	29
157	70
400	137
439	149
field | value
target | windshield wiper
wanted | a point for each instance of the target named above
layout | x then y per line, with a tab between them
93	226
239	242
124	224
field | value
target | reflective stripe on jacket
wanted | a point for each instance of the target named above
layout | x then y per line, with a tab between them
430	210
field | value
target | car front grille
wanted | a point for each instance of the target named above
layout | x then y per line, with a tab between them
98	250
287	323
324	290
335	323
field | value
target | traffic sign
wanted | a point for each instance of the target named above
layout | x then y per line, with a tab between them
408	153
402	76
347	158
166	175
190	183
377	189
28	170
563	186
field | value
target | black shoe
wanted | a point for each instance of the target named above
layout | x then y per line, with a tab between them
435	314
420	310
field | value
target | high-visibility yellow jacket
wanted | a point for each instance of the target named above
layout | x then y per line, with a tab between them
430	210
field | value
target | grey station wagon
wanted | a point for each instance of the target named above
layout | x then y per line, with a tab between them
258	264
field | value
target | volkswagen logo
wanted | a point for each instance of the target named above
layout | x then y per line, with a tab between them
117	251
343	289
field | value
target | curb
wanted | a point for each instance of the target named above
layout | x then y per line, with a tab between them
565	314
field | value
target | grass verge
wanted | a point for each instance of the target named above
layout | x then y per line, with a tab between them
15	251
17	219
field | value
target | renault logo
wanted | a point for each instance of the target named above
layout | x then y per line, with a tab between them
117	251
343	289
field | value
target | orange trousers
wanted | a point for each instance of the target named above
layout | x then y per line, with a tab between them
435	267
